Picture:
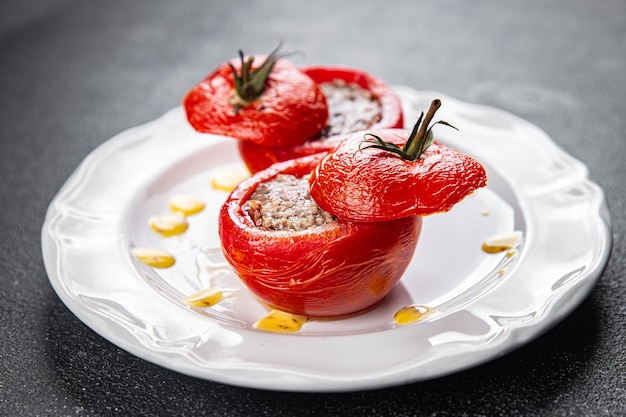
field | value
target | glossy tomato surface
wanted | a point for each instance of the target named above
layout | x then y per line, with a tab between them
259	157
291	110
328	271
375	185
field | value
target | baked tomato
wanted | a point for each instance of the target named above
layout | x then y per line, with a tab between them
272	103
332	269
356	100
391	173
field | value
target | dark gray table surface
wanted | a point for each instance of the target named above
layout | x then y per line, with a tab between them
74	73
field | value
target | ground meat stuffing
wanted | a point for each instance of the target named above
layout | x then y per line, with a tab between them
350	108
285	204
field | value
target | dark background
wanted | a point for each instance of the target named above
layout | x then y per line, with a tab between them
75	72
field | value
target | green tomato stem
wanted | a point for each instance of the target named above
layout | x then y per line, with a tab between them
250	84
419	140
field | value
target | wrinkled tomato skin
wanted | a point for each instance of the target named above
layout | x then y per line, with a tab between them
374	185
258	157
325	272
291	109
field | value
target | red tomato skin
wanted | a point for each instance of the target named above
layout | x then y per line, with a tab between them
374	185
257	157
325	272
291	109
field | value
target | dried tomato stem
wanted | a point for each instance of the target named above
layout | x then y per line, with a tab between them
418	141
250	84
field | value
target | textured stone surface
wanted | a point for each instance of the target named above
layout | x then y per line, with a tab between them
74	73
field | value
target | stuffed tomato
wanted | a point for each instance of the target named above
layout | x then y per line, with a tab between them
321	267
356	100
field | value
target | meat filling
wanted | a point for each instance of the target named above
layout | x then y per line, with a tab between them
284	203
350	108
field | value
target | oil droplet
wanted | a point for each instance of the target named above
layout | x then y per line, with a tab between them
186	204
169	224
411	314
205	298
280	322
501	243
228	177
153	257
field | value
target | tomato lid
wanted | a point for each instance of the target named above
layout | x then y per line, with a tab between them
267	101
388	174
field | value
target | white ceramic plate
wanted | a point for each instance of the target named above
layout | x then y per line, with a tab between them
487	304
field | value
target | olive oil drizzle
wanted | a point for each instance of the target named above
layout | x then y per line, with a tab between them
281	322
